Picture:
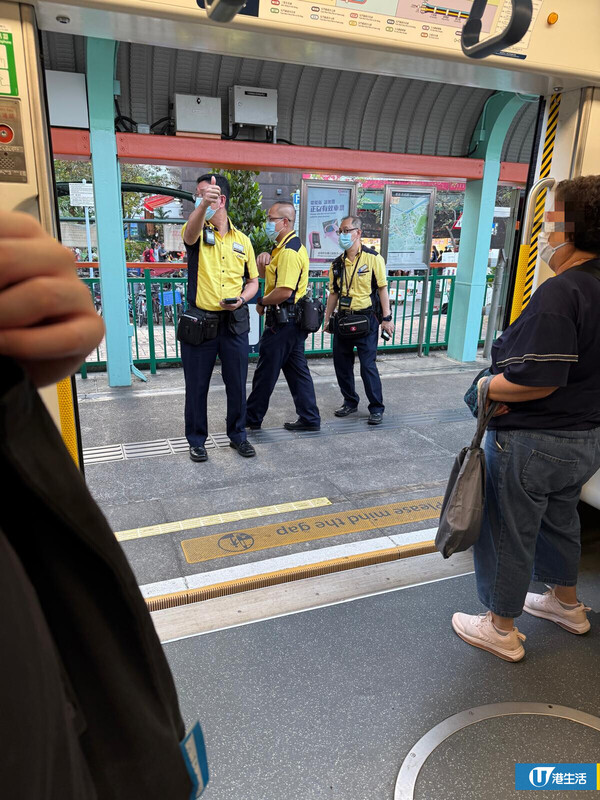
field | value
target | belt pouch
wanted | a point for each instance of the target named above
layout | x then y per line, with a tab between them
239	320
191	328
311	313
353	326
211	324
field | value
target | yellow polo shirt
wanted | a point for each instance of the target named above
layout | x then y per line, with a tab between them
369	263
288	267
217	272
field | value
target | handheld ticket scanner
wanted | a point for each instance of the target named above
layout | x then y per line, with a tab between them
26	179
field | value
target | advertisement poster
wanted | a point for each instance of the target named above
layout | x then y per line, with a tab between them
324	207
407	228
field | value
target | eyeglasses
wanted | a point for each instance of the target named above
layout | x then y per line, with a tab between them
348	230
274	219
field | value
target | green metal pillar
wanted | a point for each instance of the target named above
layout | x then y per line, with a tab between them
100	70
478	218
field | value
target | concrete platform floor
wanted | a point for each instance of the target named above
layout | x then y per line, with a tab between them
364	468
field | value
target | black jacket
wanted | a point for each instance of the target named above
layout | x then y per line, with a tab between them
88	707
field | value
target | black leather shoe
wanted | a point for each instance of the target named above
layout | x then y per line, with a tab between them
300	426
244	448
253	427
345	410
375	419
198	453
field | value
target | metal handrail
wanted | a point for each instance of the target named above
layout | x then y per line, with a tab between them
536	189
520	20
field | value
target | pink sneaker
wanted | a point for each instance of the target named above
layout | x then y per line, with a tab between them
479	630
547	606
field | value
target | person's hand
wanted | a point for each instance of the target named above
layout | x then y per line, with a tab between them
389	327
231	306
263	260
326	324
501	410
260	310
47	318
211	194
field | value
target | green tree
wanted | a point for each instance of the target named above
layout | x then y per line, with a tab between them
160	213
245	207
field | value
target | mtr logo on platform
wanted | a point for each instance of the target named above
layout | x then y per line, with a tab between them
557	776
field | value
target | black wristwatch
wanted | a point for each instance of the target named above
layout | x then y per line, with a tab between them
387	319
243	300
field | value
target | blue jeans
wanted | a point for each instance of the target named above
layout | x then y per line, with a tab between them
531	527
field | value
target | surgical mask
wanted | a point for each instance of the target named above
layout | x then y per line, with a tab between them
547	250
210	211
345	240
270	230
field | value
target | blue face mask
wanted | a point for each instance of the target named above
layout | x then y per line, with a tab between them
270	230
210	211
345	241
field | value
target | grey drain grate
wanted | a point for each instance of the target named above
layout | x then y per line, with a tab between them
167	447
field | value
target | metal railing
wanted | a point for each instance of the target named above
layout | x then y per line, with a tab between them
156	303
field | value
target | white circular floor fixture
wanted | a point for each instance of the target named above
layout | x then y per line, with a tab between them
409	771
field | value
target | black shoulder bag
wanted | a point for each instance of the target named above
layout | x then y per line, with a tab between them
351	326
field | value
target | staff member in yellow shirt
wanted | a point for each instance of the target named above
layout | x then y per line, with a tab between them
222	277
357	284
282	344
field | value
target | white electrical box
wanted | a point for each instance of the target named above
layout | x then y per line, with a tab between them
250	105
197	114
67	99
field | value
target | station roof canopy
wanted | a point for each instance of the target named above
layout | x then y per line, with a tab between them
320	107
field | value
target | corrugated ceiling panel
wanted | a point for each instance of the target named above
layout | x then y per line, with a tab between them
320	107
303	102
369	124
356	110
317	131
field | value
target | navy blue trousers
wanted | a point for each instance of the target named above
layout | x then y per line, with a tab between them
282	348
343	361
198	364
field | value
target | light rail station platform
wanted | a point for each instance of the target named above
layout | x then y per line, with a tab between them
322	687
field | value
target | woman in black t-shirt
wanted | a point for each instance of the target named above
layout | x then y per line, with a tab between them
544	442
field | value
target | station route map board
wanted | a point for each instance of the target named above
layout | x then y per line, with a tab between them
407	228
397	20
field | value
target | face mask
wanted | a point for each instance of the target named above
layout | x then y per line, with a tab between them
210	211
270	230
547	250
345	240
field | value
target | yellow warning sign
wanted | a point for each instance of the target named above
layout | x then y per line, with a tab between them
324	526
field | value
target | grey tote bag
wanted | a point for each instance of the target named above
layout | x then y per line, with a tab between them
462	509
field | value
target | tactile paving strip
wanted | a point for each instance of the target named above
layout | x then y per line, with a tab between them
167	447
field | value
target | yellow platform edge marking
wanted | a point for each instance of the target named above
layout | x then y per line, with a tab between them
217	519
288	575
325	526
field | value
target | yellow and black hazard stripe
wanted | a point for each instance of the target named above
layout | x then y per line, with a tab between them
69	423
528	251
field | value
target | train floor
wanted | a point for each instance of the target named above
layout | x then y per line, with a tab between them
328	703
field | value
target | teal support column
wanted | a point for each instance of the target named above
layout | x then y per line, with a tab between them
477	221
100	69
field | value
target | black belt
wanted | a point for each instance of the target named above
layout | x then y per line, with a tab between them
345	311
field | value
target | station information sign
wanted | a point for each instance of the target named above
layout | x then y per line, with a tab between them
401	21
